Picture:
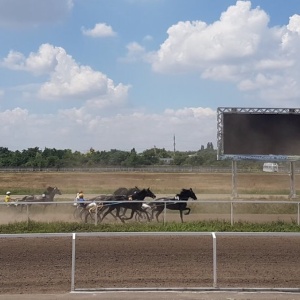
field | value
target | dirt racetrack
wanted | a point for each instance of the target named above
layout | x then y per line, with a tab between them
43	265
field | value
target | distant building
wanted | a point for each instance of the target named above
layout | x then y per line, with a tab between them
166	161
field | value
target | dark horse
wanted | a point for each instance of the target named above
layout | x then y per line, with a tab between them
120	194
179	202
48	196
125	191
116	202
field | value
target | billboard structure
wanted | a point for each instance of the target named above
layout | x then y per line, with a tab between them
263	134
268	134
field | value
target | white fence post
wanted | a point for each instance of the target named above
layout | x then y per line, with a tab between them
73	263
231	213
214	259
298	214
27	213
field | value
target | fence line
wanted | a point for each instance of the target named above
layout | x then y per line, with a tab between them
232	204
153	169
214	236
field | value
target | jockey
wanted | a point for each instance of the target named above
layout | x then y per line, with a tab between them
81	199
7	197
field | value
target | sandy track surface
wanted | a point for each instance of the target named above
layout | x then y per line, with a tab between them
43	265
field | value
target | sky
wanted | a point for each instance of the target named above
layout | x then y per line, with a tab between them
124	74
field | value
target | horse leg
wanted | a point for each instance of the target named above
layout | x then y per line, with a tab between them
44	209
181	216
124	212
109	210
118	214
131	215
158	212
153	209
188	210
114	216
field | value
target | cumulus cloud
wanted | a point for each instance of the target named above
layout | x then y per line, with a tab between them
135	52
79	130
42	62
100	30
239	47
16	13
294	23
67	78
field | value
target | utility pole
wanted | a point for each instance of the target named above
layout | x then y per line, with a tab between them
174	144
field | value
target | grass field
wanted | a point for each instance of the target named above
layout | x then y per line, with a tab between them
159	183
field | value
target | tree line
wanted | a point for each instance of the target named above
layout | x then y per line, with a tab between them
56	158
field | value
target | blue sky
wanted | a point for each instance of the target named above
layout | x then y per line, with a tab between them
123	74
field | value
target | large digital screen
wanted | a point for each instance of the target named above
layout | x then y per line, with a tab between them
261	134
267	134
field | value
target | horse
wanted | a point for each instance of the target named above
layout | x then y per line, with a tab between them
116	202
48	196
179	202
125	191
120	194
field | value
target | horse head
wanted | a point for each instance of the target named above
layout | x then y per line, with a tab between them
142	194
57	191
150	193
51	192
185	194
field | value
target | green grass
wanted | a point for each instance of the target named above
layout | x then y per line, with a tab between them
204	226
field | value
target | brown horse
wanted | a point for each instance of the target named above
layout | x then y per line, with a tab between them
48	196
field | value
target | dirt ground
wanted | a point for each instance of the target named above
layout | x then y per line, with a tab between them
159	183
43	265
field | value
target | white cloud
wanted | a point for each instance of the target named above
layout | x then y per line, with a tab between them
239	47
135	52
100	30
79	130
42	62
68	79
196	44
16	13
148	38
294	24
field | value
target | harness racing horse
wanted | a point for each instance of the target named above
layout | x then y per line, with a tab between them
125	191
48	196
117	202
120	194
122	191
179	202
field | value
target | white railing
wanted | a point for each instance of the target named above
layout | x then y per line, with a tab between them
214	236
232	207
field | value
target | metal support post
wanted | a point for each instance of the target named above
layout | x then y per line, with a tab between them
292	181
234	175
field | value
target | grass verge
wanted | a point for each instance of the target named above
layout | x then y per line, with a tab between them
204	226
